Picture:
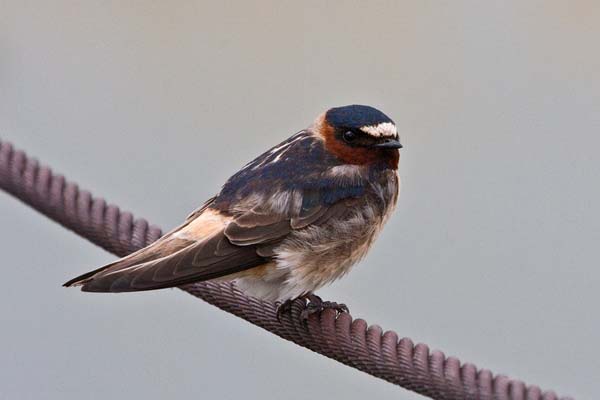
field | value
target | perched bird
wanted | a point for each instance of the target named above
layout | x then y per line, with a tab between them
294	219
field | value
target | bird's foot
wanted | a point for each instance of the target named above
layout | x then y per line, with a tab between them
313	305
316	305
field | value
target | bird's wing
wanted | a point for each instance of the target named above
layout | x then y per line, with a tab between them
242	227
210	244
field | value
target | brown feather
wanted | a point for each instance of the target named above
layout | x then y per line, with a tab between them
210	245
244	236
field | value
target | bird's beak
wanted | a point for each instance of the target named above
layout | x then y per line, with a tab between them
389	144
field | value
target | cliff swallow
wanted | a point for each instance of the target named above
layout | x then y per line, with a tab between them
294	219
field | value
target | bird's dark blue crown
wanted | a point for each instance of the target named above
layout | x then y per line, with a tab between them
355	116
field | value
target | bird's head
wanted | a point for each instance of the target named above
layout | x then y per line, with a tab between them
359	135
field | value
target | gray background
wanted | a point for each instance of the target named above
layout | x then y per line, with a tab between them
492	255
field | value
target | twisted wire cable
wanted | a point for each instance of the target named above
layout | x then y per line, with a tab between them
351	342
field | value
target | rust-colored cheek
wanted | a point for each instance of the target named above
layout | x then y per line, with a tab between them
393	158
357	155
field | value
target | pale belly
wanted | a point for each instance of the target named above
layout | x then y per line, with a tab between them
318	255
312	258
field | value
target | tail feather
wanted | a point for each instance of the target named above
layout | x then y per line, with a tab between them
153	252
196	251
82	279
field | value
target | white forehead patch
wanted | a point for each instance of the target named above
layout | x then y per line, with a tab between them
383	130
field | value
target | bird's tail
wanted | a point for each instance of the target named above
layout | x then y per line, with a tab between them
153	252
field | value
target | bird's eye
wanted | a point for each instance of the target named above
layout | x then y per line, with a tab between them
349	136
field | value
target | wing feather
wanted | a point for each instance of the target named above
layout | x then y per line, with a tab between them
210	244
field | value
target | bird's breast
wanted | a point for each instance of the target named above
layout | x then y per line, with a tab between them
318	255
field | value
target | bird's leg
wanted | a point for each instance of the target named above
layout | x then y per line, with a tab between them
316	305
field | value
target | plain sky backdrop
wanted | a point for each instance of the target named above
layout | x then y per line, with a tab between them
492	255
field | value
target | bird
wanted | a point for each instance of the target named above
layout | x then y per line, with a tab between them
291	221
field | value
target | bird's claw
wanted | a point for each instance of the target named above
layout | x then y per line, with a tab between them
316	305
319	308
313	305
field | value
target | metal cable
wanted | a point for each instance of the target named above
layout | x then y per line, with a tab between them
351	342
